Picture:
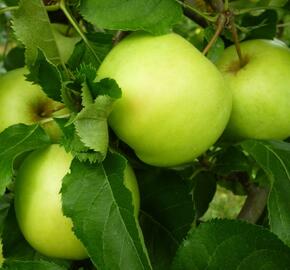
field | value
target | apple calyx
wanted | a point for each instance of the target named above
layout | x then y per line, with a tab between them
237	65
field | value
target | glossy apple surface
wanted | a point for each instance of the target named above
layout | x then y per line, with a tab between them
24	102
175	103
38	203
65	39
261	90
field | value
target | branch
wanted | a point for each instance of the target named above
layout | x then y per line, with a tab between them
217	5
254	204
220	26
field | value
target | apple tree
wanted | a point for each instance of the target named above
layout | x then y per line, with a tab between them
144	134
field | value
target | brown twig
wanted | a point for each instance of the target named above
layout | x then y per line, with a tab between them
217	5
119	36
233	29
254	204
220	26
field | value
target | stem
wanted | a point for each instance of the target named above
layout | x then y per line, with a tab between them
217	5
254	204
234	32
14	8
50	119
281	25
198	12
118	37
226	5
219	29
7	9
247	10
77	28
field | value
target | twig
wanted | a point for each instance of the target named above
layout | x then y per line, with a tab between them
119	36
248	10
220	26
77	28
254	204
198	12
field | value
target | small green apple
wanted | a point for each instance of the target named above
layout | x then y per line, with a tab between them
175	103
65	40
24	102
261	90
38	203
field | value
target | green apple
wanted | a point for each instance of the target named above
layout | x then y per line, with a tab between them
38	203
24	102
175	103
65	40
261	90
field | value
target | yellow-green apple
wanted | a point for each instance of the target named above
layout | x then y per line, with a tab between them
65	40
38	203
261	90
175	103
24	102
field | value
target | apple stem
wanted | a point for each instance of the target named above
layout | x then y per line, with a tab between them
77	28
220	26
233	29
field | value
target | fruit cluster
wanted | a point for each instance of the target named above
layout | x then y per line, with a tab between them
175	105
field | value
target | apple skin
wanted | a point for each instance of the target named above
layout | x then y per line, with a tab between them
38	204
261	90
26	103
65	40
175	103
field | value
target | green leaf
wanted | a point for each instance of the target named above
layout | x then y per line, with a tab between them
155	16
32	27
265	260
274	159
203	192
82	55
14	59
103	214
31	265
14	244
5	202
15	140
262	26
225	244
231	159
91	125
107	87
166	213
16	248
46	74
72	143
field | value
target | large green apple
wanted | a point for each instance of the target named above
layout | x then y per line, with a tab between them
175	103
65	40
261	90
38	203
24	102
